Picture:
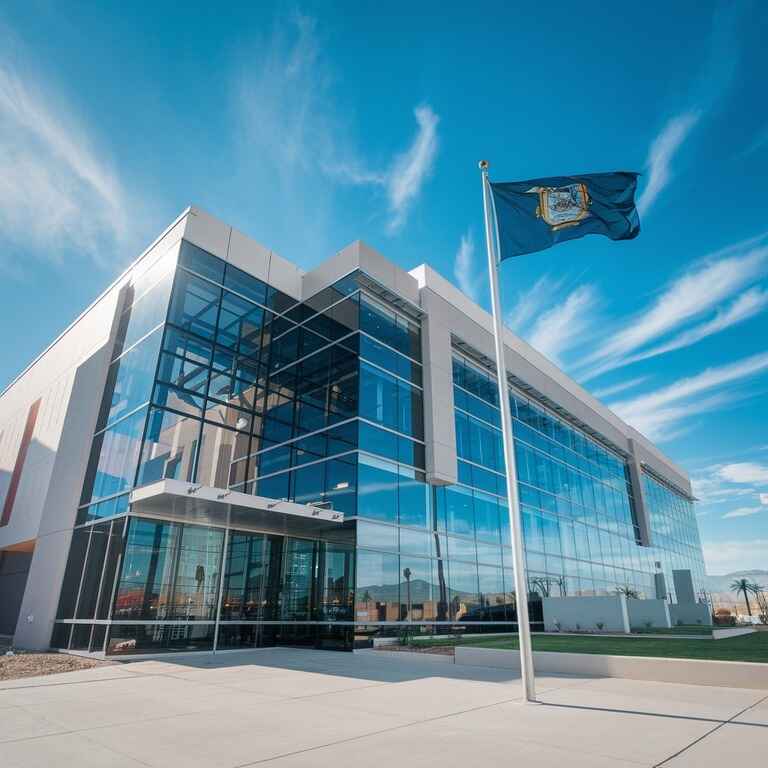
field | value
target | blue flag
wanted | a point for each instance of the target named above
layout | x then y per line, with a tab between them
537	214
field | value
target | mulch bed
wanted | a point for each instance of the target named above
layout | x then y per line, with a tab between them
33	664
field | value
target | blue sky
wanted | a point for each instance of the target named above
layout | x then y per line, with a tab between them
308	126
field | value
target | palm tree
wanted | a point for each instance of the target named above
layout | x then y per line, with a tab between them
628	591
743	586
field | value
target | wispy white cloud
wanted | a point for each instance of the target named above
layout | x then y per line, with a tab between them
743	512
622	386
658	414
701	289
660	156
744	472
554	316
745	305
532	302
56	191
295	124
411	169
727	556
467	275
565	324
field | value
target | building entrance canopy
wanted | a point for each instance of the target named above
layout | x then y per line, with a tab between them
192	503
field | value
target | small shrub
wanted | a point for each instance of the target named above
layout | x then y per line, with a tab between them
600	625
648	624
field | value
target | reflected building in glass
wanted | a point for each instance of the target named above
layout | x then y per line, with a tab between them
228	452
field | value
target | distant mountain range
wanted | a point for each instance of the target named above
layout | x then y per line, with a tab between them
723	583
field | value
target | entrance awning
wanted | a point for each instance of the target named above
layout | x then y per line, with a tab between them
191	503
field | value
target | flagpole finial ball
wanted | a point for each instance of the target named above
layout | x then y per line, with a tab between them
483	165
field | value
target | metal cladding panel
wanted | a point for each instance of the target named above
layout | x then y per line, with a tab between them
18	467
439	424
684	591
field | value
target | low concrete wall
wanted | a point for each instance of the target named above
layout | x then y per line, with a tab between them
648	613
405	656
573	613
728	674
690	613
721	634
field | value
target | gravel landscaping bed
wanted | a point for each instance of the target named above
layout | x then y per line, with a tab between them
32	664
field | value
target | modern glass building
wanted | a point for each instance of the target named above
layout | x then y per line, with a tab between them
226	452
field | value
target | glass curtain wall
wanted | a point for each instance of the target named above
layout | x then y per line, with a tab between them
580	531
674	533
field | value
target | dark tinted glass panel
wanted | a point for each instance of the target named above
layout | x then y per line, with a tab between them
71	584
94	566
335	583
245	284
194	305
298	568
127	639
169	571
201	261
114	550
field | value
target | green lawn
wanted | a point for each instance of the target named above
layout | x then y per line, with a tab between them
745	648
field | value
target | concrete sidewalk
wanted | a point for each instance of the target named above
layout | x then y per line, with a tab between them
286	707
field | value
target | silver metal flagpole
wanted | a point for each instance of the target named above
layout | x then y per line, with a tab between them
515	525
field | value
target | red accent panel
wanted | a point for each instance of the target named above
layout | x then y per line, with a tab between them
21	457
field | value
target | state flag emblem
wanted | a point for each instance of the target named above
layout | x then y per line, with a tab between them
564	206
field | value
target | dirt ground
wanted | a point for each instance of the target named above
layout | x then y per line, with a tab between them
33	664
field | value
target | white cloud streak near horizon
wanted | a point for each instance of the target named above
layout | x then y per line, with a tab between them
743	512
55	191
734	555
662	151
744	472
700	289
658	414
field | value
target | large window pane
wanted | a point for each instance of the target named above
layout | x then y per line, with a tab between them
194	305
219	449
112	466
169	447
170	571
416	590
130	380
459	510
377	592
464	593
413	497
335	585
377	489
378	396
149	307
298	568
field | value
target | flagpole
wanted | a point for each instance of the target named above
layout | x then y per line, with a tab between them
513	504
